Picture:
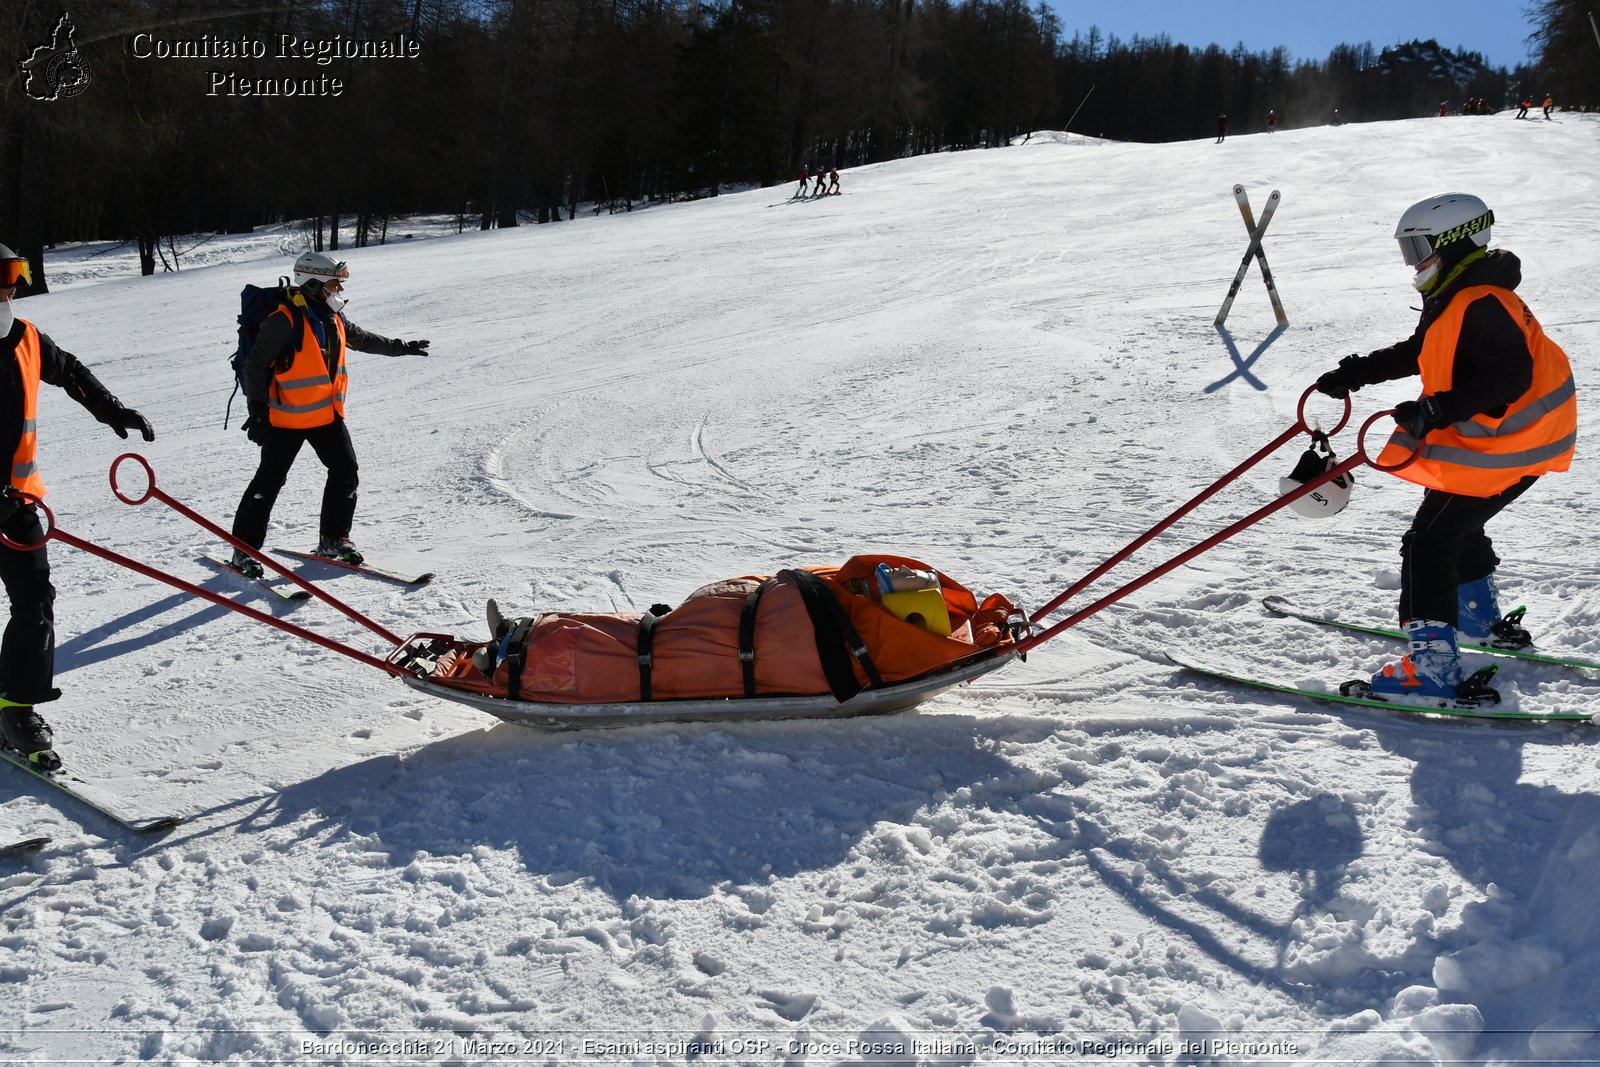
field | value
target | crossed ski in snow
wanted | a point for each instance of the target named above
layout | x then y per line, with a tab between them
1253	251
1256	252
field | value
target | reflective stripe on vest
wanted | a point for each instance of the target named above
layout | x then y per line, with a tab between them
1482	456
24	469
303	397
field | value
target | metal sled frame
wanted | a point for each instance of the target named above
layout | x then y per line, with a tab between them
418	654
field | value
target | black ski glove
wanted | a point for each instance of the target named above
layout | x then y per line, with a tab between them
1418	417
414	348
1341	381
125	419
256	426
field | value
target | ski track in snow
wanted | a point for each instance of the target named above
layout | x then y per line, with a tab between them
1000	362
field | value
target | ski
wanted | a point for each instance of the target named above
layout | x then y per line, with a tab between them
1281	606
1477	711
23	844
87	795
1261	253
1253	251
361	568
279	591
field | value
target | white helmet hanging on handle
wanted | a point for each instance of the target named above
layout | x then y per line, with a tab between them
1327	499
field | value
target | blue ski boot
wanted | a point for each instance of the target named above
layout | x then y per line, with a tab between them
1480	619
1432	669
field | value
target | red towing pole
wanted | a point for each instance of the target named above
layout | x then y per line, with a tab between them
254	553
53	533
1211	542
1200	498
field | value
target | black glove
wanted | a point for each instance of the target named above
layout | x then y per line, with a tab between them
1341	381
256	426
414	348
125	419
1418	417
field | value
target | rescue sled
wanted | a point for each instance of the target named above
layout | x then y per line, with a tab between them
877	635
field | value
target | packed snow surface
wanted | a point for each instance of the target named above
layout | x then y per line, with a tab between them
1000	362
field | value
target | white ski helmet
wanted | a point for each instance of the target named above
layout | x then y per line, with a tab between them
1327	499
1452	224
319	268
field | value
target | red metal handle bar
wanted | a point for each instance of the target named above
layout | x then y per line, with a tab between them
1213	541
54	533
1361	444
317	591
1204	495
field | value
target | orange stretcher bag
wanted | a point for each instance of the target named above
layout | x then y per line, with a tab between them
808	631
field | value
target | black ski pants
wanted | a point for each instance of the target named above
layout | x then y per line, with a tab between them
1445	547
333	447
28	650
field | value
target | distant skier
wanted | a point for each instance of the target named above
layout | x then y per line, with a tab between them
833	182
1272	121
805	181
28	649
1498	408
1335	119
822	184
1444	108
1222	128
1549	102
1522	112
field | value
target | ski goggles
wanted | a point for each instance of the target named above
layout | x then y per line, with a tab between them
14	272
339	273
1415	248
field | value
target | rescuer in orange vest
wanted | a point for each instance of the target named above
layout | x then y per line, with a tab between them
1498	408
295	378
27	652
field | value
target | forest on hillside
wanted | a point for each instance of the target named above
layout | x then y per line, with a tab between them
144	119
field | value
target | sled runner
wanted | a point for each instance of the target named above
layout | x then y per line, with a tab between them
424	651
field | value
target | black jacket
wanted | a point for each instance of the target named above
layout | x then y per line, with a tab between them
57	367
276	343
1493	366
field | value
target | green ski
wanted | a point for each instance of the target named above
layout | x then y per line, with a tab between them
1481	712
1280	606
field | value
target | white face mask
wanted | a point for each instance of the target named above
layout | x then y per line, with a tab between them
7	317
335	301
1424	278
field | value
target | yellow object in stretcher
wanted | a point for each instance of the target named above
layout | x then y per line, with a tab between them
923	607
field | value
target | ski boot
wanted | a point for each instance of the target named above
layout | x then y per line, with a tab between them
1480	619
23	730
487	657
1431	671
506	637
248	566
341	549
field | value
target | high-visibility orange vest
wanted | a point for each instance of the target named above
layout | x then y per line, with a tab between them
1482	456
24	471
303	397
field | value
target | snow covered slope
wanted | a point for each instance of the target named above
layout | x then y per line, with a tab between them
1001	362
